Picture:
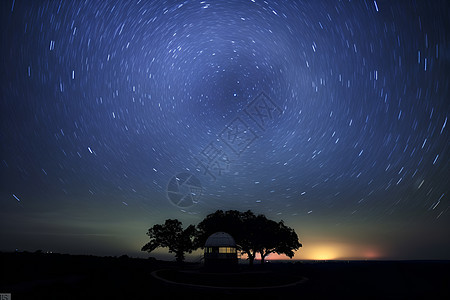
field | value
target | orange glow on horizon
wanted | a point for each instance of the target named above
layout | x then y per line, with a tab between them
274	256
322	253
372	254
332	251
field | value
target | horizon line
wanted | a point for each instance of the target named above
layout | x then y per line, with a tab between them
243	260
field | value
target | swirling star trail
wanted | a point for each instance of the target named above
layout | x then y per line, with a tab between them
104	102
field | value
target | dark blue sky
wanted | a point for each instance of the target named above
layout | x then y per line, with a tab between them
330	115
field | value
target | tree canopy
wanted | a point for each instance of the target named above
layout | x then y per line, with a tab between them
171	235
273	237
252	233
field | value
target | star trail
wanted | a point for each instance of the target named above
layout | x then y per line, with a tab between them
330	115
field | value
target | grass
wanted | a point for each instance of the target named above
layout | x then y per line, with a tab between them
57	276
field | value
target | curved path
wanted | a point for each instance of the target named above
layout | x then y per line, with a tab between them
155	275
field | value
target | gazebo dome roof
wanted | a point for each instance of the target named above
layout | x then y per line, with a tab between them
220	239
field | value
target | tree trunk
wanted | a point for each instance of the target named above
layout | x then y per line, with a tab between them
179	257
263	256
262	259
251	258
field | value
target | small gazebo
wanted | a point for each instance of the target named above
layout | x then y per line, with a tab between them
220	250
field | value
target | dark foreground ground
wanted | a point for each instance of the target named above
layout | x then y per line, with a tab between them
57	276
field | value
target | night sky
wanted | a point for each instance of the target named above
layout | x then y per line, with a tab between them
329	115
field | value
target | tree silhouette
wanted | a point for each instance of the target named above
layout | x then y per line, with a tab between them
233	222
229	221
252	233
171	235
273	237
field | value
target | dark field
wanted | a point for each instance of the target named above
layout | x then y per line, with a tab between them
57	276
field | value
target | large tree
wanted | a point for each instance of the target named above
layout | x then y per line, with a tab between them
233	222
229	221
171	235
275	237
252	233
